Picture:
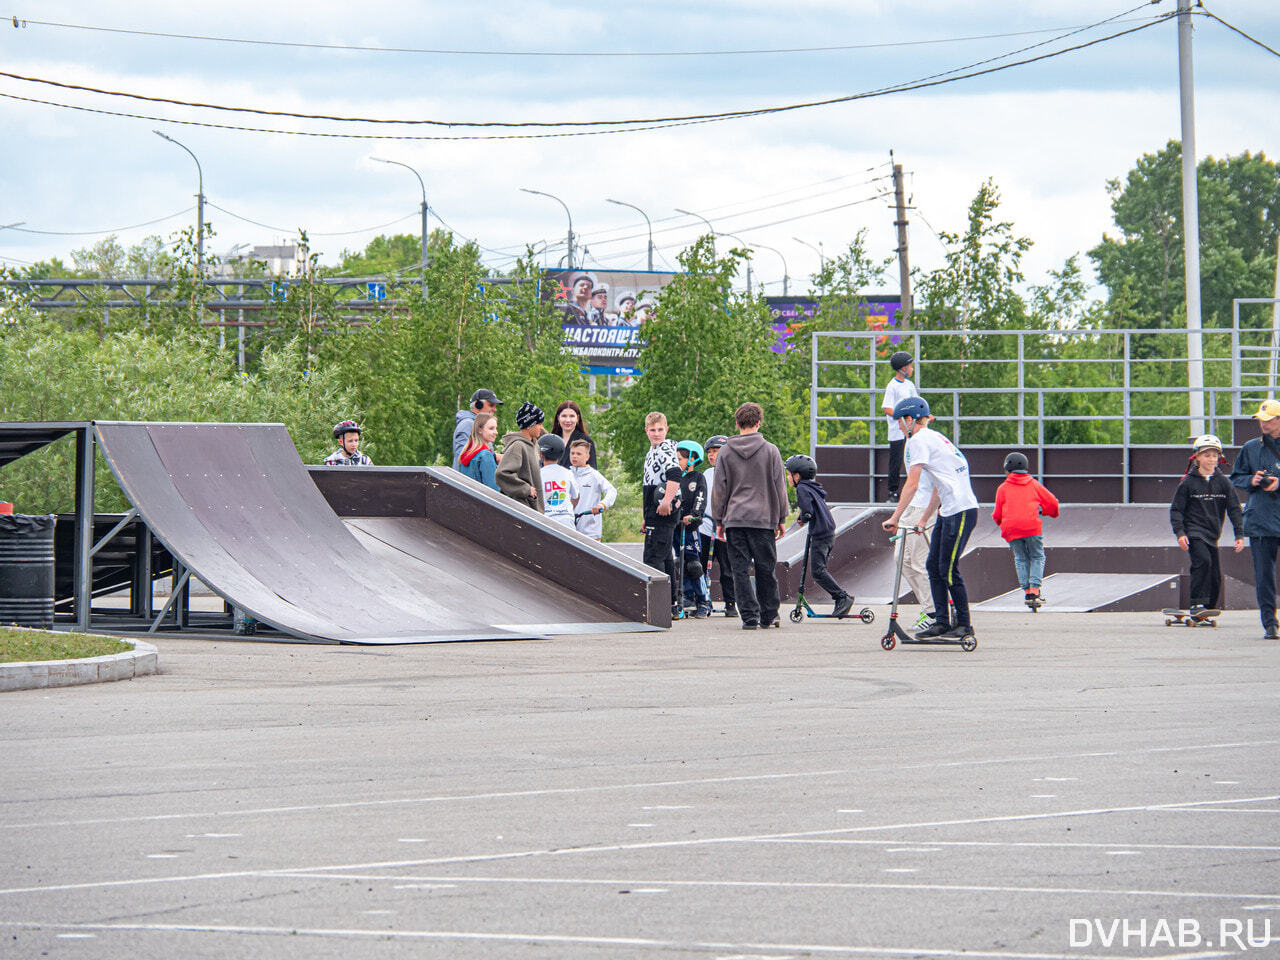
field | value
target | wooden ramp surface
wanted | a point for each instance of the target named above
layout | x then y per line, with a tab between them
1089	592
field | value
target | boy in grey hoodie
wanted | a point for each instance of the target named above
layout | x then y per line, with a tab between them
519	473
749	500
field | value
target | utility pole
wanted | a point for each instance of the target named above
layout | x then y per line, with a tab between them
904	266
1190	219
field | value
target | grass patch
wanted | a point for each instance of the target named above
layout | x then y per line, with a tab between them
19	646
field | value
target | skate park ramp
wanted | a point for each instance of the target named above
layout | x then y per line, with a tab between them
236	506
1095	592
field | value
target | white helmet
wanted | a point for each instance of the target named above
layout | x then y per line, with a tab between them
1207	441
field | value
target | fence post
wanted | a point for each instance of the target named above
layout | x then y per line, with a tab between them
1022	385
813	394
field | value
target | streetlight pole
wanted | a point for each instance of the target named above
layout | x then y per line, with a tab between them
1190	218
199	202
822	257
745	244
785	278
566	213
710	229
647	223
396	163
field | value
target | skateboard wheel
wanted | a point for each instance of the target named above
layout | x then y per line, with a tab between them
969	644
887	641
797	616
867	615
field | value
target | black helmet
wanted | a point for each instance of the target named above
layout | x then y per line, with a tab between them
804	465
899	360
550	445
1016	463
346	426
715	442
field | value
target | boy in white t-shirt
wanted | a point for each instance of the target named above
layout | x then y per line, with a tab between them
897	390
930	452
559	488
596	493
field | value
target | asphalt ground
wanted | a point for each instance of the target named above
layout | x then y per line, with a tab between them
1080	786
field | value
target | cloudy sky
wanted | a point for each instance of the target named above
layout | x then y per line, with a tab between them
1049	133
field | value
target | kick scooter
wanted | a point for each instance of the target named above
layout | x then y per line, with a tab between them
866	614
895	632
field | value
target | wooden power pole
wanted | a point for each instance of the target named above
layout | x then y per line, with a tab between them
904	265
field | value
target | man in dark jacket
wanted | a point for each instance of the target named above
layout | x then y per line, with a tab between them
750	503
1257	470
811	501
482	401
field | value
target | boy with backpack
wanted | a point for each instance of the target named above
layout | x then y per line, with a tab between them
1020	502
1201	502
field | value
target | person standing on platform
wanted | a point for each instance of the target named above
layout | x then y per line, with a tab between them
897	390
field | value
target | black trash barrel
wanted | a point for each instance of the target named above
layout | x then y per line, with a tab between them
26	570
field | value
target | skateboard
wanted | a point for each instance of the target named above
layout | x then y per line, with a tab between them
1202	618
1035	603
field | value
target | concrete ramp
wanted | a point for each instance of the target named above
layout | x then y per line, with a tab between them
235	505
1095	592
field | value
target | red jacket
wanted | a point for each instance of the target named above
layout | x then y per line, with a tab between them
1020	501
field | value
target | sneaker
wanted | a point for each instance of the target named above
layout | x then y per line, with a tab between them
923	621
677	612
750	625
702	611
730	609
893	496
1272	633
937	630
956	633
843	606
773	624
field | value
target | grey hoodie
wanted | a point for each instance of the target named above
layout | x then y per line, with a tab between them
750	488
520	469
463	420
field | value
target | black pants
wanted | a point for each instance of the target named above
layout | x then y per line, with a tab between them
1206	573
719	551
747	546
896	448
819	551
950	535
1263	550
659	552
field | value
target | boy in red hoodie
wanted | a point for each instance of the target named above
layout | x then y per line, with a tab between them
1020	501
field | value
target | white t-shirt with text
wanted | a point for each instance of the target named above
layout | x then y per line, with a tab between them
946	467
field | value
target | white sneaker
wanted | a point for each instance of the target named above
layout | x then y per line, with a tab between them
922	621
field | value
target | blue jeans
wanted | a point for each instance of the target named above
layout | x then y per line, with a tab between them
1263	550
1028	560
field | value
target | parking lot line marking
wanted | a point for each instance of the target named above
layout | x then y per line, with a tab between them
646	785
1084	844
347	933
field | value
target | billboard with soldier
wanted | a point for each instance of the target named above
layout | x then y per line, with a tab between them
602	312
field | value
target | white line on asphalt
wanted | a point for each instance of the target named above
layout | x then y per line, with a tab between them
861	772
777	885
637	845
1084	844
914	951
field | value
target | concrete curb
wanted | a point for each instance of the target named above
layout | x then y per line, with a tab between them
143	659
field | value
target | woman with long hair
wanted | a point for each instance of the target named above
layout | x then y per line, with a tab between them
478	460
569	426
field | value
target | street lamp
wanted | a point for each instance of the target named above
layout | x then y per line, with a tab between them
647	223
566	213
822	257
397	163
732	236
785	278
710	229
199	202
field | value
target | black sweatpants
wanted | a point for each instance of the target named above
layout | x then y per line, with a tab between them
719	551
747	546
950	534
659	552
819	551
896	448
1206	572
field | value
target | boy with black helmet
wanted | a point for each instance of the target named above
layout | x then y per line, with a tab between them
519	473
1020	502
348	454
811	500
693	507
898	388
957	508
559	486
713	548
1202	501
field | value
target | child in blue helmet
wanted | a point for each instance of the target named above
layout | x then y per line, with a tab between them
693	506
930	452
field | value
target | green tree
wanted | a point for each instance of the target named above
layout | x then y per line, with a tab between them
385	255
706	351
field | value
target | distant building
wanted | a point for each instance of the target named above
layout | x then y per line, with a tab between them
281	261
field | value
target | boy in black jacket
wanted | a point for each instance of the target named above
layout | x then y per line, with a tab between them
693	506
1201	501
811	500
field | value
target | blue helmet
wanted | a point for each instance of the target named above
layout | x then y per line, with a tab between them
914	407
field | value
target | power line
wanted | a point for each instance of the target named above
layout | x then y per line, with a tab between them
95	233
929	81
339	233
360	48
1214	16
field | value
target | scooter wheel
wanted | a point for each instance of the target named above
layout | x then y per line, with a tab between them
887	641
797	616
867	615
969	644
